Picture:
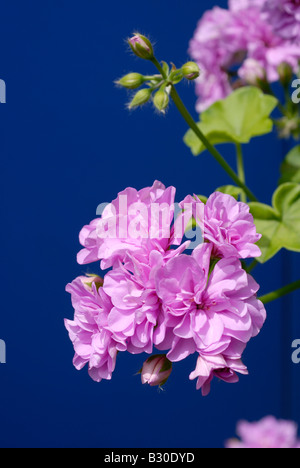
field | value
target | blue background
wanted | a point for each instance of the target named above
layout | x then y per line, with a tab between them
68	143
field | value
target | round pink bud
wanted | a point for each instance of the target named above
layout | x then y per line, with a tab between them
141	46
252	72
88	281
190	71
156	370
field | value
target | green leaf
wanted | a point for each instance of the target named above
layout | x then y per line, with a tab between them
165	68
290	168
231	190
279	224
203	198
238	118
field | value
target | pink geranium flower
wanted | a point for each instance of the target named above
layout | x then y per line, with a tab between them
284	16
228	225
136	306
213	313
224	368
92	340
227	42
137	222
237	5
136	316
156	296
267	433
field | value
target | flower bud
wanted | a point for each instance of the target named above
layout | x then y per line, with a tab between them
141	98
156	370
253	73
190	70
141	46
131	81
285	74
289	126
161	100
89	280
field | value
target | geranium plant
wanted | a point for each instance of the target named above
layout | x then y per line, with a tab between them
161	290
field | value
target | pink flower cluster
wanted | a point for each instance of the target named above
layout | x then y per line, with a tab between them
157	295
243	44
267	433
284	16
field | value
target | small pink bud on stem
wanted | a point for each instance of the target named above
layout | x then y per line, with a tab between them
141	47
89	280
190	71
285	74
156	370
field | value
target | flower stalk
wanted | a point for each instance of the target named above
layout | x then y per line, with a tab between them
241	169
280	292
192	124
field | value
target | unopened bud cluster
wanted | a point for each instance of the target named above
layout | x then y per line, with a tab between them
159	85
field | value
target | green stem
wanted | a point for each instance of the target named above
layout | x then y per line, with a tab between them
151	77
159	68
192	124
291	109
267	89
219	158
241	168
280	292
252	265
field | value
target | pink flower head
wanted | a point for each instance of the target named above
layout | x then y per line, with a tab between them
212	313
156	296
266	32
136	307
230	227
237	5
284	16
93	342
267	433
252	72
209	49
141	46
218	366
156	370
136	316
137	222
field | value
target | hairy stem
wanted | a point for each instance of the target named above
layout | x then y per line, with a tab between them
192	124
241	168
